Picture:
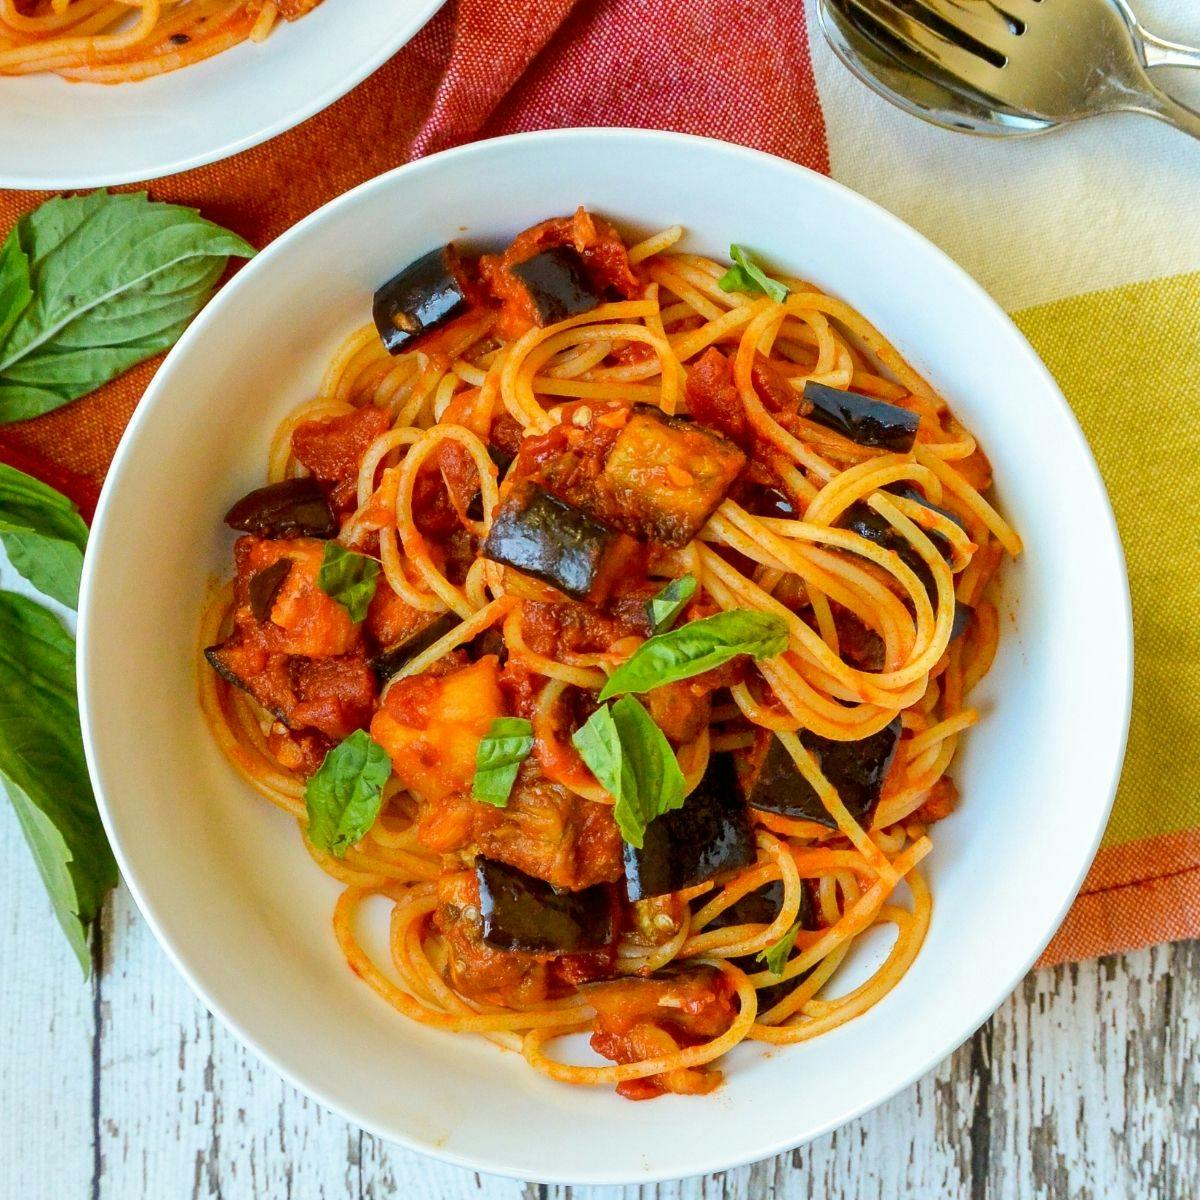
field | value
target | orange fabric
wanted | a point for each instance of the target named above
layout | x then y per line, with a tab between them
1135	894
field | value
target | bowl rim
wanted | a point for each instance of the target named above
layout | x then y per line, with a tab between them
407	28
1122	650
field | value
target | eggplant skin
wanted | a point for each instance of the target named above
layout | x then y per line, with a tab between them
264	586
213	655
291	508
761	907
856	769
523	913
388	661
549	539
426	294
557	283
862	519
711	833
861	419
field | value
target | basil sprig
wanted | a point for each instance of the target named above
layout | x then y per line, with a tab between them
634	762
92	285
344	795
776	956
747	276
502	750
697	647
348	578
43	534
663	608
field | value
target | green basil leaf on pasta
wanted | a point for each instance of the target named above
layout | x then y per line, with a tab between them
42	767
747	276
502	750
344	795
43	534
112	281
697	647
776	956
634	762
348	578
15	291
670	602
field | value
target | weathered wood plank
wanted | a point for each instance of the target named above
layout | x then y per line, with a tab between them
46	1026
185	1111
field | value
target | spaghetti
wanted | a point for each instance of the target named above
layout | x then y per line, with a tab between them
121	41
546	465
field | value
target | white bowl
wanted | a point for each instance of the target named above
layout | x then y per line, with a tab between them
55	134
222	877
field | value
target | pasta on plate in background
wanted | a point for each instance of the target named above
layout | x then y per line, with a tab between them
121	41
613	612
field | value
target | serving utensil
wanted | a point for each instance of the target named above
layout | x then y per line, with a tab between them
1007	67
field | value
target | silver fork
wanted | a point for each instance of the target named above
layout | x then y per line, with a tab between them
1050	61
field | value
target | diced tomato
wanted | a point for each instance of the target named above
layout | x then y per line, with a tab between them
390	620
940	803
303	619
643	1018
431	727
332	448
682	709
713	399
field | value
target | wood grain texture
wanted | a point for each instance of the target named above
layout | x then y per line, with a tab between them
1083	1086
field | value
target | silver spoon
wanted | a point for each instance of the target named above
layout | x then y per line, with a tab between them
1007	67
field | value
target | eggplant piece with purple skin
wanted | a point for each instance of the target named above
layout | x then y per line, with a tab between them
549	539
863	420
388	661
557	283
290	508
523	913
862	519
761	907
428	293
855	769
711	833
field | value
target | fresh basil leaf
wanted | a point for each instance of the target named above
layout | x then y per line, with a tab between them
502	750
43	534
348	578
747	276
344	795
42	766
15	292
776	956
697	647
114	280
670	602
634	762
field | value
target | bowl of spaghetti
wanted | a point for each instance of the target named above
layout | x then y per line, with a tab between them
99	92
622	641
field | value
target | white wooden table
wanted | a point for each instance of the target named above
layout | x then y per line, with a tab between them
1084	1085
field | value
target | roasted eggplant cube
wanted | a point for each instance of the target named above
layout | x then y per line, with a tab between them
290	508
861	419
427	293
550	540
667	475
711	833
760	907
387	662
557	283
856	769
862	519
226	659
523	913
